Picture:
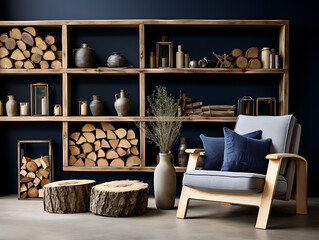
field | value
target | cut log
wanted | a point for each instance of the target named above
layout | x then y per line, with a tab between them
4	52
88	128
105	144
82	155
79	163
17	55
4	37
75	150
36	58
99	133
6	63
236	52
252	52
75	136
23	187
29	64
100	153
227	64
78	192
89	137
102	162
36	181
134	141
45	173
120	133
33	31
21	45
97	148
114	143
134	150
40	43
31	175
121	152
1	44
49	55
23	172
37	162
97	142
254	63
111	134
89	163
45	162
18	64
45	182
26	179
23	166
133	161
107	126
194	105
219	107
117	162
28	39
81	140
92	156
130	134
71	142
27	53
128	151
192	111
30	185
37	51
54	48
11	44
44	64
87	147
218	113
111	154
59	55
72	160
241	62
33	192
32	166
24	195
38	174
112	198
15	33
26	159
56	64
50	39
40	193
124	144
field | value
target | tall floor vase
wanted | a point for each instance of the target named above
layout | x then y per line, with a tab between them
165	182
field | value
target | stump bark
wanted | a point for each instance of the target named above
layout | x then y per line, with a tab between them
69	196
123	198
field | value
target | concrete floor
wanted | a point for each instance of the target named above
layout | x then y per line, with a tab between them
27	220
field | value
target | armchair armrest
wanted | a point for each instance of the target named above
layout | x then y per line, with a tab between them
193	157
277	156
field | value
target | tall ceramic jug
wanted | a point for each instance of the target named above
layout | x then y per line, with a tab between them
122	103
12	106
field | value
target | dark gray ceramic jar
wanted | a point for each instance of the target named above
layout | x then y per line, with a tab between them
84	57
117	60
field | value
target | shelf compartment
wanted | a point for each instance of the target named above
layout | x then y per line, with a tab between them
116	169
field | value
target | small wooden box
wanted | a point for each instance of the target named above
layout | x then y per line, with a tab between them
34	175
266	106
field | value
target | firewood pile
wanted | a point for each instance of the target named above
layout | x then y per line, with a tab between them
105	146
27	49
236	59
193	109
34	174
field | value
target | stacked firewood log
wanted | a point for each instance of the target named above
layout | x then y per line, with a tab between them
236	59
105	146
191	108
27	49
34	174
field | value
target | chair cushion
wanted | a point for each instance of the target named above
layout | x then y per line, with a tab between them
214	150
230	182
244	154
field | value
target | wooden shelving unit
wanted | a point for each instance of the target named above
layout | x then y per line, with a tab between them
141	72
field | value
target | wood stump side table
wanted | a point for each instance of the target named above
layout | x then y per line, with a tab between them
68	196
124	198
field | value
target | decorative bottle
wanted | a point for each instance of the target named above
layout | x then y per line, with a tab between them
152	60
122	103
265	57
182	155
12	106
96	106
180	57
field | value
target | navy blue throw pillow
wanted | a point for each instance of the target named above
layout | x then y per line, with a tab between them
244	154
214	150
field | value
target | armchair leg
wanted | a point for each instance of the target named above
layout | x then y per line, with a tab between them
268	194
183	203
301	188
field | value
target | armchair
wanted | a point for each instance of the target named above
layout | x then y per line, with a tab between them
249	188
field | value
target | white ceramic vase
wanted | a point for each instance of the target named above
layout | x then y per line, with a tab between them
165	182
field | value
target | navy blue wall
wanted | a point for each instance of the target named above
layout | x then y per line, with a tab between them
304	53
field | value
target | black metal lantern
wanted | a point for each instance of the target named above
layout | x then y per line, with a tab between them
39	99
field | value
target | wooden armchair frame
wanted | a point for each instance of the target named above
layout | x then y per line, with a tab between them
262	200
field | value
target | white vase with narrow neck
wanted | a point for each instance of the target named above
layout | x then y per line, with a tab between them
165	182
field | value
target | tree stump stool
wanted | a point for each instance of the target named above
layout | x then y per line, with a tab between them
69	196
123	198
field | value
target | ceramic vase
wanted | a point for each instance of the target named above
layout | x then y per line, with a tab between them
84	57
12	106
182	155
165	182
96	106
117	60
122	103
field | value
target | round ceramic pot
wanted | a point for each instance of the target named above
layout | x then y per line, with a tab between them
116	60
84	57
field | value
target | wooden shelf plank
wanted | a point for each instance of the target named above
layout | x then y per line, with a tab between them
30	71
104	70
31	119
116	169
215	71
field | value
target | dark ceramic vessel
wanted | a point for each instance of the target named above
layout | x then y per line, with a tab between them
96	106
117	60
84	57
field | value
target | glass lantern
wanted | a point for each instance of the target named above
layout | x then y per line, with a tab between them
39	99
164	53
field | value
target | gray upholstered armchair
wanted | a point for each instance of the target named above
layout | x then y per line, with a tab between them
250	188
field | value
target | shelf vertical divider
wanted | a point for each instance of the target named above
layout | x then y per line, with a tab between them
142	45
284	81
65	45
65	137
